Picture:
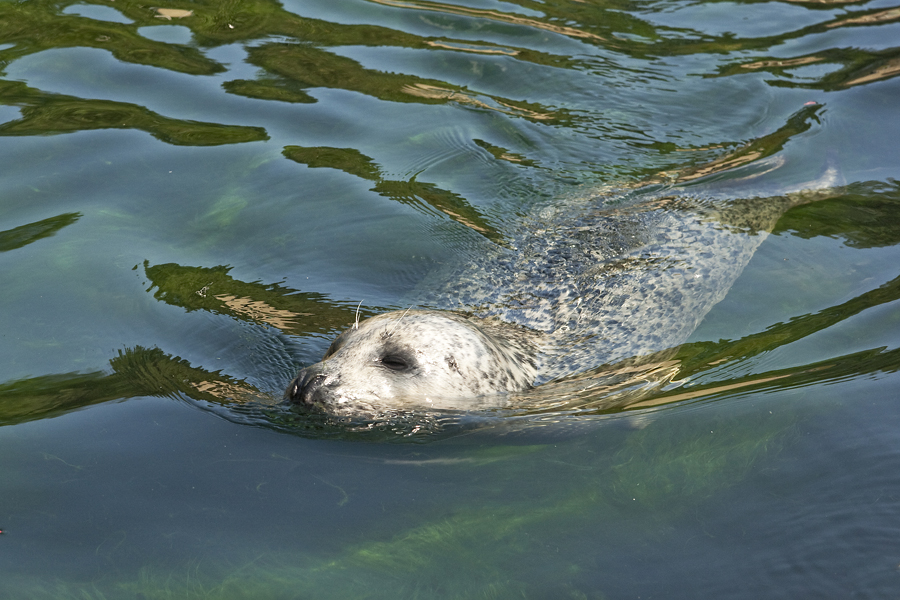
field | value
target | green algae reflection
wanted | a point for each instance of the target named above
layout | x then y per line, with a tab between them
44	114
415	193
305	60
213	289
21	236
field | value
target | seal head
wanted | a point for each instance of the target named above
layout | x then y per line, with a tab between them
418	360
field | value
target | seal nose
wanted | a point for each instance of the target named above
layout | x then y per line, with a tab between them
304	388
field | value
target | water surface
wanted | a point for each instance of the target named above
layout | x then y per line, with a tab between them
193	205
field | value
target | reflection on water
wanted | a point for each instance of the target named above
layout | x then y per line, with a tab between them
411	192
26	234
197	197
290	69
212	289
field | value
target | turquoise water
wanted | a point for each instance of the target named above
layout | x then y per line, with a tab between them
193	207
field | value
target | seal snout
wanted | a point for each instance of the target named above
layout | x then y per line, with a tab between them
305	389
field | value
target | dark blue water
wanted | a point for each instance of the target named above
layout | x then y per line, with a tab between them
192	208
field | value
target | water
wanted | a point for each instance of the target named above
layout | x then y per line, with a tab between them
193	207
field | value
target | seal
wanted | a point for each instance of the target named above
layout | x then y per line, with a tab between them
608	283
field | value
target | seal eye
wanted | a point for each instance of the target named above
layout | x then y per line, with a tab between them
395	362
